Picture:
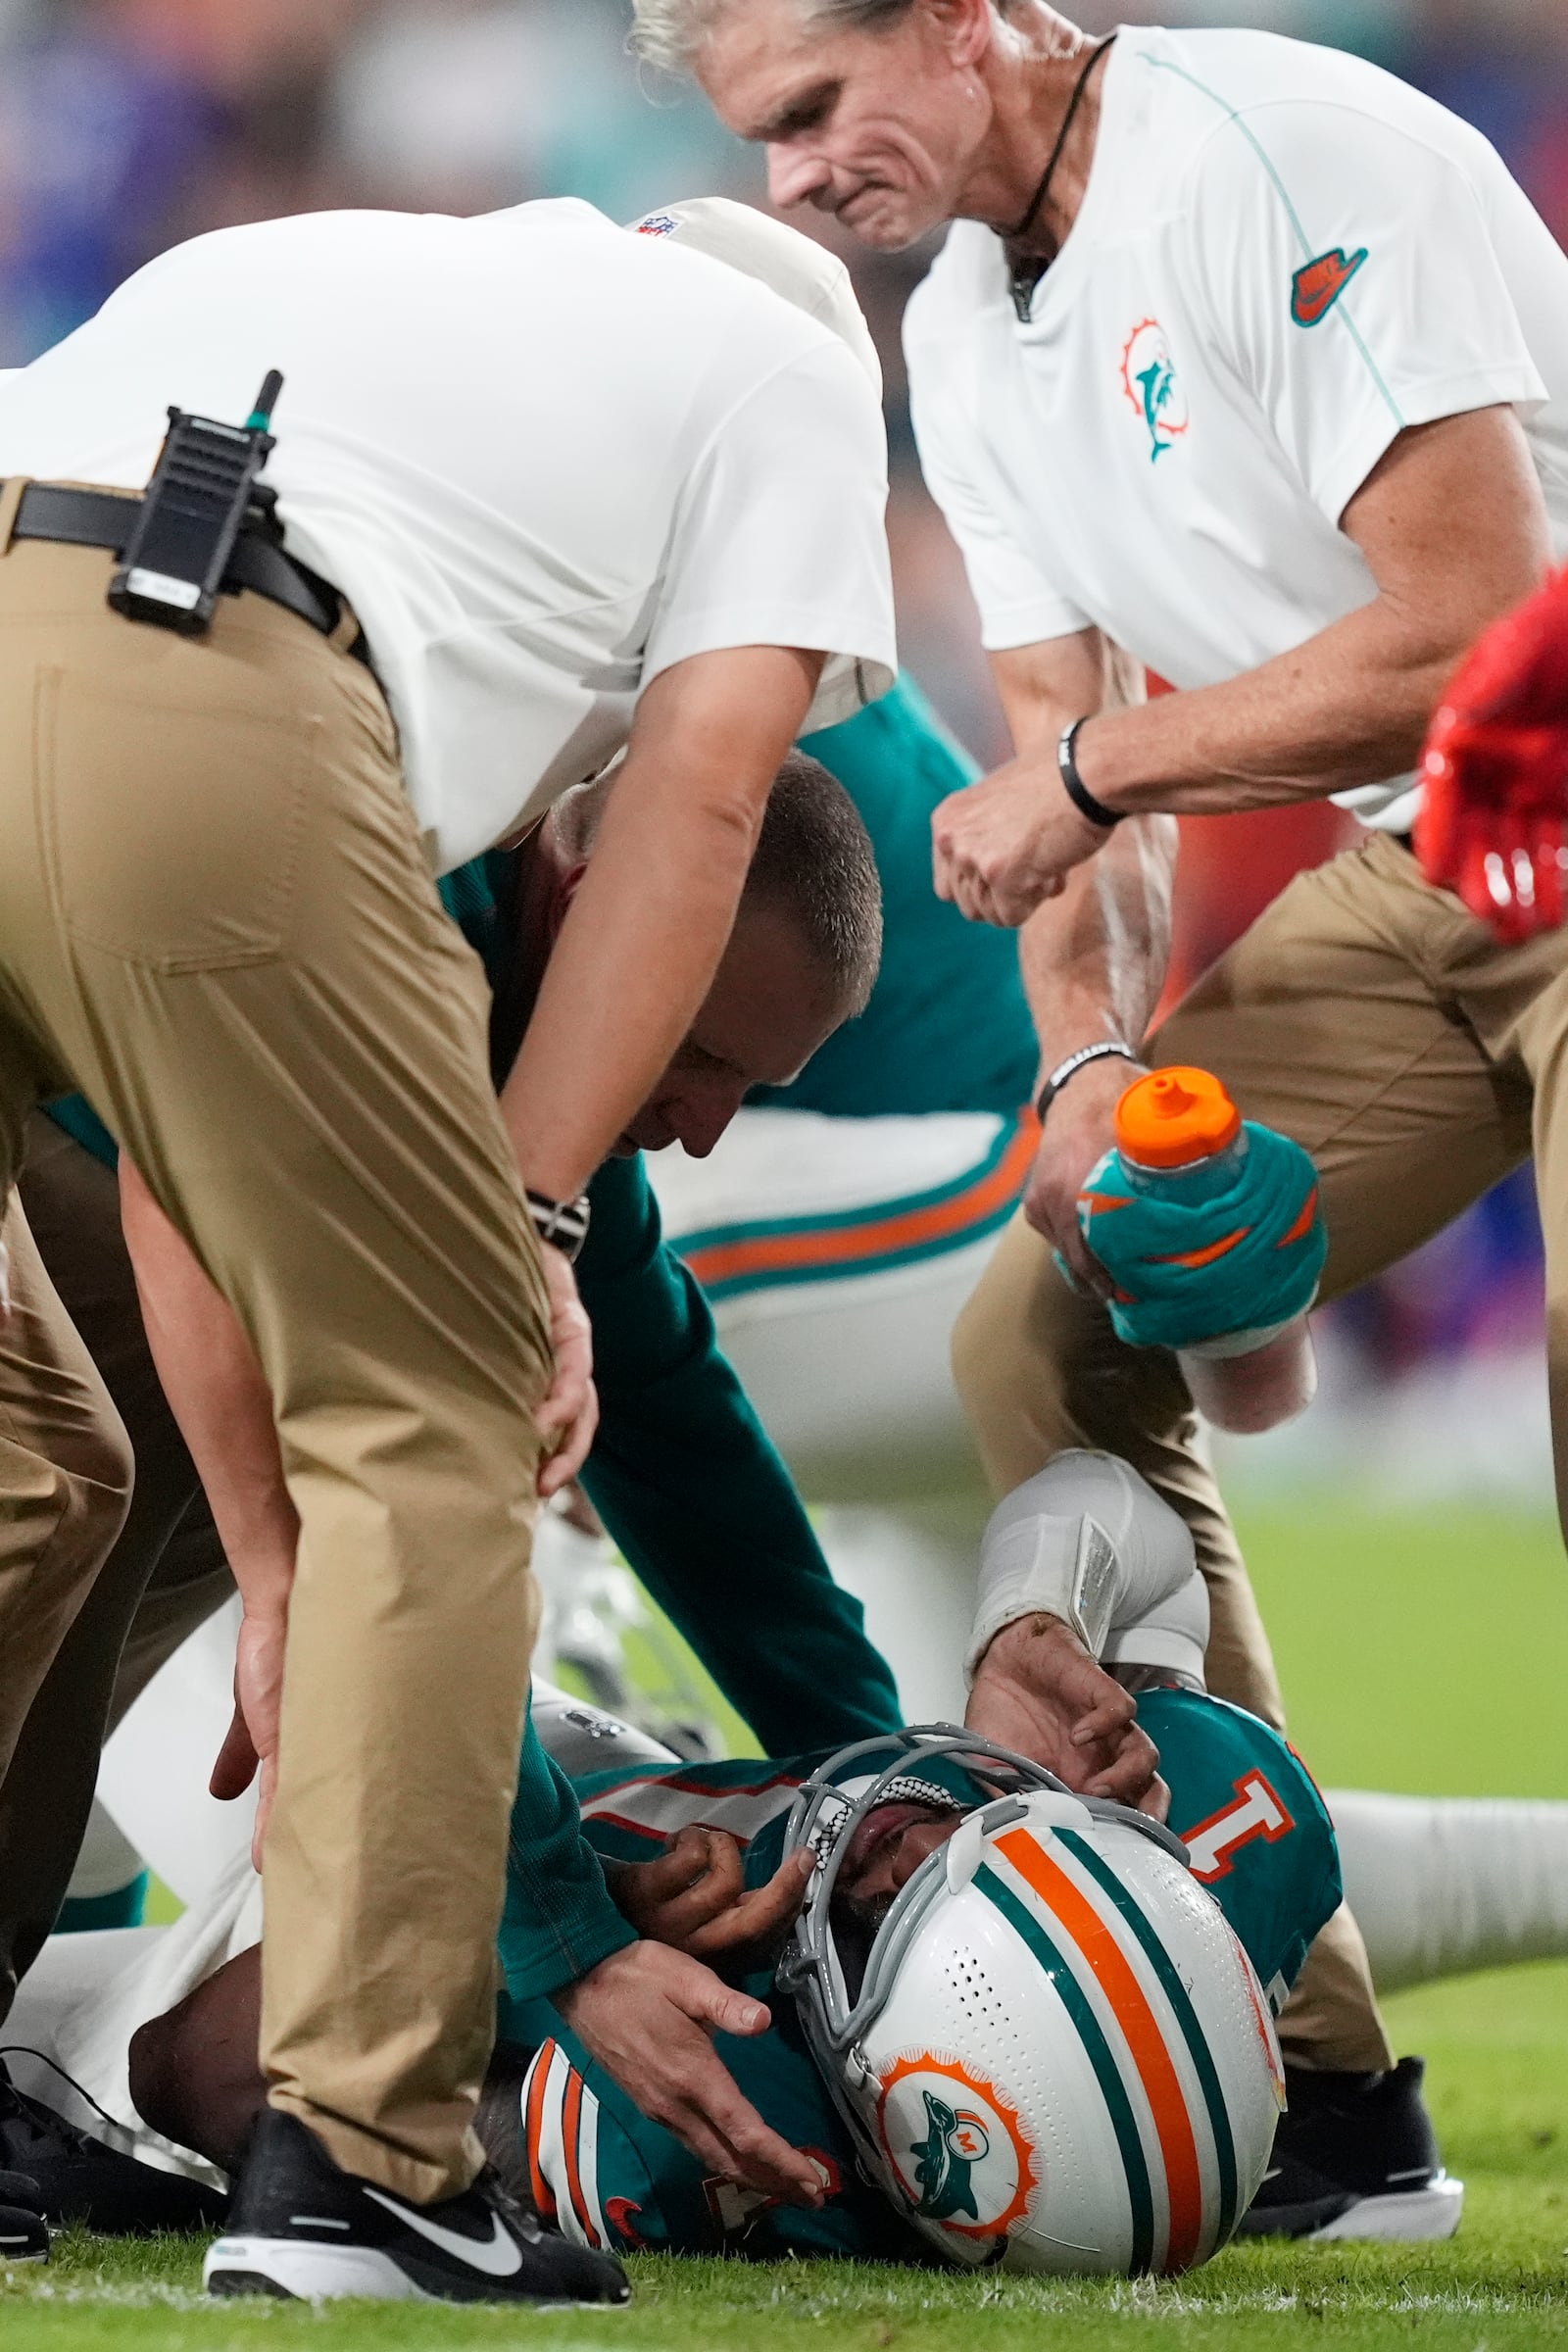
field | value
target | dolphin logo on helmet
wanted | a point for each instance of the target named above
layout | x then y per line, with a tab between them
1054	1980
945	2159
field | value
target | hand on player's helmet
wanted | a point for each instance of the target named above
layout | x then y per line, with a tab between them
1155	1800
1494	822
1001	847
569	1414
648	2014
1038	1689
695	1897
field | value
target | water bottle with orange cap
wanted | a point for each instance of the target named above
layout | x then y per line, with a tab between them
1210	1229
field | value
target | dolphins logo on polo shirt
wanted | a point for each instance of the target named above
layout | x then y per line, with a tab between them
1152	384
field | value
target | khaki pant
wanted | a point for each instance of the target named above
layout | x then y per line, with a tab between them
215	917
1367	1015
163	1577
65	1482
167	1572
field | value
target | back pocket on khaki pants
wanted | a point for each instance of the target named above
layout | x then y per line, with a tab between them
174	830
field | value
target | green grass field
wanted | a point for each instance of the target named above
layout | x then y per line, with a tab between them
1419	1655
1428	1654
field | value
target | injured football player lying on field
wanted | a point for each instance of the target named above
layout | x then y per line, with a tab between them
1010	2023
992	2001
158	2026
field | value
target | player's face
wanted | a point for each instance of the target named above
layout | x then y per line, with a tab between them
887	1851
879	128
768	1011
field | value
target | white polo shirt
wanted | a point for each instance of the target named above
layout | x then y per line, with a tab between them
1283	257
544	459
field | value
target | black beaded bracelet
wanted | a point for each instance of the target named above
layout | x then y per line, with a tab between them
1078	791
1070	1068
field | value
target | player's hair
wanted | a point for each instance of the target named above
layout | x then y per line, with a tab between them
813	862
669	32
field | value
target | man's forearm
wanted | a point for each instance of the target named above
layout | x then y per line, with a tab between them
560	1919
217	1395
1094	966
1350	707
1094	960
649	925
1453	530
635	956
688	1482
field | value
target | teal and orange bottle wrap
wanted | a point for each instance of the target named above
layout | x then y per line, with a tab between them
1245	1255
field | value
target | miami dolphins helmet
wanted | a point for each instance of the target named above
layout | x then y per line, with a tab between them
1055	2055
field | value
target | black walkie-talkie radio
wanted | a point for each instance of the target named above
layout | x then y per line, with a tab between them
205	485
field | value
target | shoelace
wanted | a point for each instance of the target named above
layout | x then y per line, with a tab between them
38	2120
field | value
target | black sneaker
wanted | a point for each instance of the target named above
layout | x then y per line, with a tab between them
1356	2156
23	2232
299	2225
83	2180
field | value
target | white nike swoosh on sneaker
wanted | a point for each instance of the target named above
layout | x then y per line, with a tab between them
502	2258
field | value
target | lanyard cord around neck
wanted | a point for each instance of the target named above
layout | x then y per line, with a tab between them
1028	269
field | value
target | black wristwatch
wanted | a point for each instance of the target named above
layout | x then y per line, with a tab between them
564	1224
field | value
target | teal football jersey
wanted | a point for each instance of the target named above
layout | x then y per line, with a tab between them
1259	1839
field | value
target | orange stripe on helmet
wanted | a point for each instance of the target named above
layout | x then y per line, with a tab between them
1140	2030
781	1253
570	2127
533	2124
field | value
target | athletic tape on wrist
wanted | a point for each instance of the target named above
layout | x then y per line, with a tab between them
1063	1568
1086	1539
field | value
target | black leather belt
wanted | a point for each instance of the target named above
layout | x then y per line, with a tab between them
103	518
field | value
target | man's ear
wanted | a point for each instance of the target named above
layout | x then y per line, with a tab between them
564	890
965	28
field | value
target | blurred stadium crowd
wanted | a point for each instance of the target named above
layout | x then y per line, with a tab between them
127	125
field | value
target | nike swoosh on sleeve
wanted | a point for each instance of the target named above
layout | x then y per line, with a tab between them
1318	284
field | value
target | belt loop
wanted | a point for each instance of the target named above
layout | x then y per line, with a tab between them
10	496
